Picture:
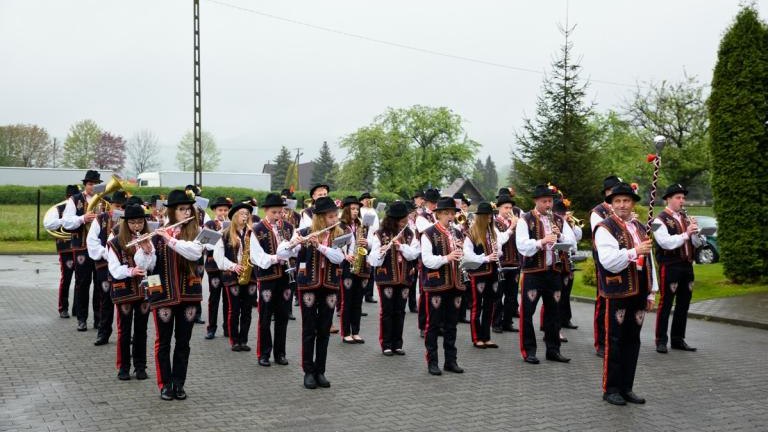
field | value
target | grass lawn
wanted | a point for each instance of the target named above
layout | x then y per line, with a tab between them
26	247
17	222
710	283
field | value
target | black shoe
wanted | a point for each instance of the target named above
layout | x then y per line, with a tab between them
179	393
82	326
614	399
434	370
388	352
452	367
199	321
96	324
563	339
531	359
309	381
296	302
556	356
166	393
63	314
497	329
631	397
236	348
281	360
322	381
601	352
123	375
569	325
226	333
662	348
264	362
101	341
363	313
509	328
399	351
681	345
464	320
141	374
370	299
421	334
291	317
413	310
244	347
210	335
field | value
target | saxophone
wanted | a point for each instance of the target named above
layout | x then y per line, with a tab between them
360	254
245	276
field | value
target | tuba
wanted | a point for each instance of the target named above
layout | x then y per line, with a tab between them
114	184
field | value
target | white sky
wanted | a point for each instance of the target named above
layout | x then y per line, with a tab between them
266	83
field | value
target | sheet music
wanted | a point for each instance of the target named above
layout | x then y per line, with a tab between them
208	236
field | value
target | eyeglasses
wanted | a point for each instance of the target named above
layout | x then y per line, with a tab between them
184	209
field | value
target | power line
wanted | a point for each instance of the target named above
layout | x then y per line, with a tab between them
404	46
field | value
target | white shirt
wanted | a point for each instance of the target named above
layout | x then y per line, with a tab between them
305	222
117	269
265	260
423	223
670	242
70	220
427	258
616	260
51	220
95	250
408	251
469	248
221	259
369	210
529	247
594	220
190	250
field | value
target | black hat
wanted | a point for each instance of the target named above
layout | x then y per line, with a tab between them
239	206
462	197
504	199
178	197
484	208
273	200
418	194
365	195
350	200
432	195
397	210
221	202
92	176
446	203
318	186
410	205
543	190
134	211
675	189
153	199
286	193
249	200
610	181
559	206
325	205
107	198
503	191
622	188
193	188
72	190
119	197
134	200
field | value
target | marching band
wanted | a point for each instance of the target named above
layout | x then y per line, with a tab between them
329	255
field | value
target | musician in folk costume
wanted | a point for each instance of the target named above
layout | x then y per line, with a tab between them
52	221
355	271
220	221
394	250
425	218
318	191
506	306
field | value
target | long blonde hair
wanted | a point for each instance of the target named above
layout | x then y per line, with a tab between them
318	224
234	237
480	228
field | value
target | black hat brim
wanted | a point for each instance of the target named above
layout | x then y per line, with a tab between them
239	206
634	196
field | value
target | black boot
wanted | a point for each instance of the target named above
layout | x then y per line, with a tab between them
309	381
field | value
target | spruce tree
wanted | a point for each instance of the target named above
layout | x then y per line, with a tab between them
738	110
282	165
324	165
491	179
557	144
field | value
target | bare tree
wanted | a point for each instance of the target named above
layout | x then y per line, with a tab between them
143	152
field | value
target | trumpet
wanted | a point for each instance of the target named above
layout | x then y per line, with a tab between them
573	220
461	218
148	236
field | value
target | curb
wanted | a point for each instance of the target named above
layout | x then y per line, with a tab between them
700	316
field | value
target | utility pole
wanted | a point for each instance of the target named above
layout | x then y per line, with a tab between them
198	129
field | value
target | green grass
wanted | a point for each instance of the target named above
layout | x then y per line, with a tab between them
27	247
710	283
17	222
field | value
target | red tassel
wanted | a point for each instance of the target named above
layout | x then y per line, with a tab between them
650	158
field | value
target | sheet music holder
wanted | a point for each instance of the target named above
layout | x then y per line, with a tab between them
369	218
562	247
152	225
208	236
160	204
255	210
117	214
342	240
291	203
381	206
708	231
202	202
225	225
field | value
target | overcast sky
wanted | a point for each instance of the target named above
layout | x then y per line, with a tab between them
268	82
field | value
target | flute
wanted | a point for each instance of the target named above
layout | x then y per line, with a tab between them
386	248
152	234
313	234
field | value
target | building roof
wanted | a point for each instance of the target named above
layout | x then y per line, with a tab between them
466	187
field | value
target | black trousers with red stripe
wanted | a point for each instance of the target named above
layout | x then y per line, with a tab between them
547	286
442	313
599	322
66	270
173	322
240	312
132	335
412	303
84	276
565	299
274	301
484	293
317	308
106	307
354	289
215	287
623	322
676	286
506	305
392	301
422	306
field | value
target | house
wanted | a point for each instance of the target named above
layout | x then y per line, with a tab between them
305	174
466	187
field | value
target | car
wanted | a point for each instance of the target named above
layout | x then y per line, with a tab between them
708	253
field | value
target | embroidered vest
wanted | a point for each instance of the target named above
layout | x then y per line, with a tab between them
511	256
79	233
680	255
448	276
426	215
538	262
179	283
229	278
630	281
62	246
315	270
128	289
266	238
397	271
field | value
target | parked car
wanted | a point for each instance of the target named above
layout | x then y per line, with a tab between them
708	253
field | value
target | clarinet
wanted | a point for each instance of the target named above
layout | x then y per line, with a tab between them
288	269
492	239
552	225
